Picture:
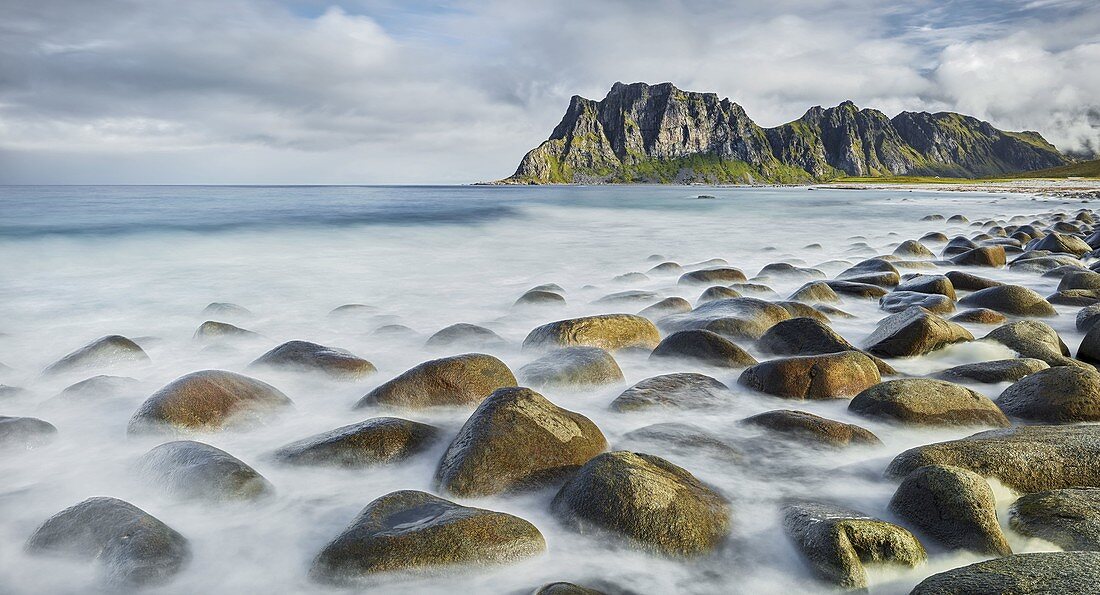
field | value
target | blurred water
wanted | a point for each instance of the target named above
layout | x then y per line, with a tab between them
82	262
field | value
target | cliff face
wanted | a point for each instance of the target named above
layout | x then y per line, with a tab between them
658	133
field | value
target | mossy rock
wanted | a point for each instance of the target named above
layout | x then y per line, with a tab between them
456	381
683	390
606	331
926	401
410	530
376	441
206	401
103	352
1061	394
650	501
336	363
829	376
194	470
1044	573
572	366
813	429
1068	518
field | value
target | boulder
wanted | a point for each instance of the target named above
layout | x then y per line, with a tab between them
935	284
675	439
836	541
1031	338
1025	458
303	355
800	310
926	401
970	282
703	347
829	376
1063	394
711	276
410	530
376	441
1089	351
656	504
1087	317
899	301
1042	262
984	256
459	380
684	390
666	268
1076	279
954	506
606	331
718	292
572	366
105	351
991	372
736	318
913	249
515	440
856	289
628	297
1074	297
212	330
538	297
783	270
665	307
1060	243
1044	573
226	309
25	432
206	401
1014	300
813	429
1068	518
814	292
133	548
466	336
193	470
979	316
914	332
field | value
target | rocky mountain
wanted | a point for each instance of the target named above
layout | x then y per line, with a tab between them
658	133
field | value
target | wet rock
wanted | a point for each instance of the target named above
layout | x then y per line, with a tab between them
926	401
814	292
633	296
934	284
465	335
606	331
1087	317
647	499
1079	280
100	387
1061	394
459	380
410	530
829	376
1025	458
991	372
515	440
1014	300
934	237
572	366
1061	243
1074	297
206	401
884	279
226	309
684	390
25	432
968	282
563	588
913	249
632	277
105	351
737	318
814	429
979	316
832	311
194	470
537	297
554	287
681	440
802	336
1031	338
1089	351
133	548
958	219
1068	518
954	506
303	355
394	330
703	347
712	276
754	288
212	330
899	301
984	256
665	307
914	332
870	266
800	310
717	292
957	245
865	291
376	441
836	541
1020	574
667	268
1040	263
783	270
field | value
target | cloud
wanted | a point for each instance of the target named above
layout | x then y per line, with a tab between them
376	91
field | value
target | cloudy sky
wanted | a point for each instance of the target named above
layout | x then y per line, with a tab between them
411	91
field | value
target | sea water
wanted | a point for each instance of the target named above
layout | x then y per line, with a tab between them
78	263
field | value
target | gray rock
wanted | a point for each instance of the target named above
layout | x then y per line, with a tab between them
718	292
926	401
376	441
1061	394
25	432
737	318
1068	518
913	249
1002	370
665	307
1060	243
684	390
466	336
1046	573
572	366
1087	317
628	297
954	506
1075	279
537	297
336	363
459	380
899	301
206	401
212	330
103	352
814	429
226	309
914	332
193	470
673	439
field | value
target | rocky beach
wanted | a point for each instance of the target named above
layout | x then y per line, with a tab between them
554	390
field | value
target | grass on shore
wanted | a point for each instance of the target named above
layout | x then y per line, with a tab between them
1084	169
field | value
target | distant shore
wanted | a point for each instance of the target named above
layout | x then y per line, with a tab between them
1068	188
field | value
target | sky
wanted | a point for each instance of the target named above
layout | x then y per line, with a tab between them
439	92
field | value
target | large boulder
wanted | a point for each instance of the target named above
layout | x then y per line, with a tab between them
376	441
1014	300
926	401
1046	573
703	347
1075	279
815	292
25	432
713	275
935	284
666	307
104	351
734	318
980	316
410	530
899	301
969	282
813	429
208	400
1002	370
572	366
459	380
983	256
1031	338
647	499
829	376
1089	351
606	331
913	249
194	470
306	356
809	336
1087	317
954	506
681	440
516	439
1025	458
1068	518
539	297
212	330
1062	394
853	288
912	332
464	335
683	390
1060	243
836	541
133	548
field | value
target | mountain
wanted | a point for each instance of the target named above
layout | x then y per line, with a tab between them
658	133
